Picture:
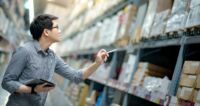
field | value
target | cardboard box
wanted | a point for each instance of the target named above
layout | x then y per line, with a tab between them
196	97
159	23
178	91
191	67
198	81
83	94
186	93
136	33
126	17
157	68
188	80
164	5
148	21
139	76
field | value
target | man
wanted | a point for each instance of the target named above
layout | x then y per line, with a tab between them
34	60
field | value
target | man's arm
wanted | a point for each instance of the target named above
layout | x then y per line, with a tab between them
78	75
13	71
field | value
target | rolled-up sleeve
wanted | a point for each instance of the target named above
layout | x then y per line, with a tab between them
15	67
68	72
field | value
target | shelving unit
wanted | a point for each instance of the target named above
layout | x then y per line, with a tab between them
152	49
170	52
12	32
12	17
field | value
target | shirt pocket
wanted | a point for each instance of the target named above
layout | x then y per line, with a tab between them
34	65
34	70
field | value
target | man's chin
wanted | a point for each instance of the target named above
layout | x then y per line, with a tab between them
57	40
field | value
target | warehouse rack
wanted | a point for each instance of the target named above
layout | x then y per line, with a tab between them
12	17
169	51
153	52
108	13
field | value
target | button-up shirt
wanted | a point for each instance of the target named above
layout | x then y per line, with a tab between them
31	62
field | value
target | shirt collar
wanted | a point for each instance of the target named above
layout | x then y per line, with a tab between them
39	49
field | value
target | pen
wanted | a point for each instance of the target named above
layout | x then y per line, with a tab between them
112	50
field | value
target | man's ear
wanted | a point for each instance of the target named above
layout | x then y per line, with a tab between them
46	32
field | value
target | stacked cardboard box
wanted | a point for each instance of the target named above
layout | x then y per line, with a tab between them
188	85
148	69
148	21
154	9
161	16
159	23
90	101
125	19
82	95
99	8
77	93
137	27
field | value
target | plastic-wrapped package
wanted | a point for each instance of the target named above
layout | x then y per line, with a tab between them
126	17
180	5
176	21
193	17
159	24
113	29
79	7
178	16
136	27
4	22
152	83
194	3
156	84
148	21
95	37
127	69
92	38
84	40
103	32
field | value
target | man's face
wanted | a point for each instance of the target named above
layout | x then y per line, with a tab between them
55	33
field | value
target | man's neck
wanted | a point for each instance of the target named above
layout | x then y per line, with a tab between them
44	44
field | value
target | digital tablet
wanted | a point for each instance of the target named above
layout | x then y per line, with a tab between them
35	82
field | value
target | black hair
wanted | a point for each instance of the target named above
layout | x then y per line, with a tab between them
40	23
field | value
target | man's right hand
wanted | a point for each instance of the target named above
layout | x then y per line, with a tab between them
42	88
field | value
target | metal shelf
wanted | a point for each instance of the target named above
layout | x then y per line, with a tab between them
161	43
138	91
143	93
192	40
130	49
99	80
118	85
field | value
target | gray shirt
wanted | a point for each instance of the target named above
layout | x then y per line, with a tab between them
30	62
